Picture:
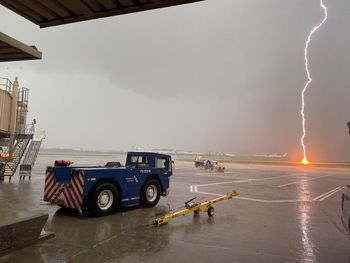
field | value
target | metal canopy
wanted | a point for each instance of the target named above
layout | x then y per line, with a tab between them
47	13
13	50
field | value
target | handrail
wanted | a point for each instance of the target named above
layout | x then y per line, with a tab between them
22	108
30	129
14	160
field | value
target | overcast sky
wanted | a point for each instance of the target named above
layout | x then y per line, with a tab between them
218	75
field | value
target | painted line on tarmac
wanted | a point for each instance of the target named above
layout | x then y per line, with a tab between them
219	175
243	181
194	189
305	180
324	196
272	201
215	174
320	198
227	182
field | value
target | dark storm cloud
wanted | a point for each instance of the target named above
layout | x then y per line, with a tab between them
213	76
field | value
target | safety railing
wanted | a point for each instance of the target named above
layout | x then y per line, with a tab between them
6	84
22	109
30	129
23	95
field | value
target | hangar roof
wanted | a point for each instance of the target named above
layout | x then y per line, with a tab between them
56	12
14	50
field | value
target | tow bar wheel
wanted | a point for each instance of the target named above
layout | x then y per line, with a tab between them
104	199
210	211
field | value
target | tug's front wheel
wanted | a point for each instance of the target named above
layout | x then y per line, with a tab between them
104	199
150	193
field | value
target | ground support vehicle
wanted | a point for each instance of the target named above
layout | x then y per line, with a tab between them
209	165
199	164
195	207
102	189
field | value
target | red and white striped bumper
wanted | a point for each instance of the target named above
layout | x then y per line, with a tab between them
68	195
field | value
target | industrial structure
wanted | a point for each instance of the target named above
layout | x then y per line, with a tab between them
15	133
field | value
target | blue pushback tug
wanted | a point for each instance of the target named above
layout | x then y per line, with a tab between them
102	189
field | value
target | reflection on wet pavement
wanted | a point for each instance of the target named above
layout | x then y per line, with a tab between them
308	253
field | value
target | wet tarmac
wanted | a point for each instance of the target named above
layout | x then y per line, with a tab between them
282	214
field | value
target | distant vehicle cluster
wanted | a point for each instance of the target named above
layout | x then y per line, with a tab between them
208	164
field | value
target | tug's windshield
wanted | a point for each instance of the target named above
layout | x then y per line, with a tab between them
138	160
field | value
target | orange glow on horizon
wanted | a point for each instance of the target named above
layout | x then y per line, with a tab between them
305	161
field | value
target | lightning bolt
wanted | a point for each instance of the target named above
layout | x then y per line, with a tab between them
309	80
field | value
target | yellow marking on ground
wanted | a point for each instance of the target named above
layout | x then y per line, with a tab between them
300	181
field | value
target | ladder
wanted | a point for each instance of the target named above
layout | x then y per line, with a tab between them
28	162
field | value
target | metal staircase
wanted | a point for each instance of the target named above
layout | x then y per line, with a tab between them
11	163
26	166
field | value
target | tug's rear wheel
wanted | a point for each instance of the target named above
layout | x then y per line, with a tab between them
104	199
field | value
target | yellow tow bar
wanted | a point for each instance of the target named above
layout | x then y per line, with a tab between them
195	207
